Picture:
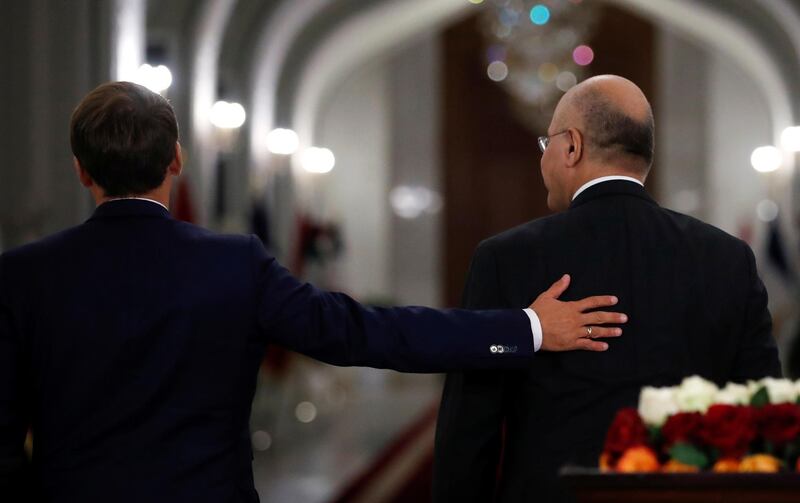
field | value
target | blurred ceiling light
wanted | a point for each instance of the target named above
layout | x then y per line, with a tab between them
583	55
767	210
156	78
305	412
282	141
497	71
540	14
226	115
261	440
318	160
476	2
790	139
411	202
566	80
767	158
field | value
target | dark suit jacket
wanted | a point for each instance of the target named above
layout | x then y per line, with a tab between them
131	345
696	306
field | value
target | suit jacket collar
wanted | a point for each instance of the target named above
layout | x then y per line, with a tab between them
612	188
130	208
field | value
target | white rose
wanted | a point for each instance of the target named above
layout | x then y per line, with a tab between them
734	394
695	394
656	405
780	390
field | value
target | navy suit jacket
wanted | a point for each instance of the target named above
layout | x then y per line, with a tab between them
131	343
695	306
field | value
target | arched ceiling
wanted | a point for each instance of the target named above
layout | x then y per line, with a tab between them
282	56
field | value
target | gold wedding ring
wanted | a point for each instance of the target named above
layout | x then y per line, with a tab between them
588	331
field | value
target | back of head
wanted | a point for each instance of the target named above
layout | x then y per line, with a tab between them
618	122
124	136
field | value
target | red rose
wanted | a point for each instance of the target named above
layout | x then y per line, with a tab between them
729	428
681	427
627	430
779	423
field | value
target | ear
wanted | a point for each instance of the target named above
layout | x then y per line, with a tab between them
574	147
83	176
176	166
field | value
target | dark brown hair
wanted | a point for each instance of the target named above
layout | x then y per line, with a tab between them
124	136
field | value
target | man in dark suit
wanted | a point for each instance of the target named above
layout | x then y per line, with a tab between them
696	306
130	343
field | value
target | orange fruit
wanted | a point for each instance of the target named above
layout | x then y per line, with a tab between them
638	459
762	463
726	465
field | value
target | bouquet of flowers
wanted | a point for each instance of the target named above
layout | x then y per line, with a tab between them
752	427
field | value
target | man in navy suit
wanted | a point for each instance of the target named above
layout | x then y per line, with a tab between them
130	344
696	303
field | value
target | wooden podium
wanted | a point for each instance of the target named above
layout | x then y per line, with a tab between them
593	486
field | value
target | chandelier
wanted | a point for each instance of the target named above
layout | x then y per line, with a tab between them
537	50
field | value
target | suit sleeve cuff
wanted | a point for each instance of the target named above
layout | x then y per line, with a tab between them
536	328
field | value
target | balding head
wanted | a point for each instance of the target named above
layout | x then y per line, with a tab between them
616	119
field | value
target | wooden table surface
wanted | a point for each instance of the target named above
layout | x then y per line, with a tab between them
593	486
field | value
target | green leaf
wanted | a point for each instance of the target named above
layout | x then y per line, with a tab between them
760	398
654	434
715	455
688	455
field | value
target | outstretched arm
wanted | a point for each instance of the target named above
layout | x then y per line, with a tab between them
334	328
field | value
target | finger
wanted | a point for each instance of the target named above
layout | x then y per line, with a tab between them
590	345
595	302
604	318
557	288
600	332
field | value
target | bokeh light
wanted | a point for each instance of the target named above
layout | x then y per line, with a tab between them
566	80
540	14
790	139
156	78
261	440
226	115
509	17
305	412
318	160
583	55
497	71
411	202
548	72
282	141
502	31
767	158
767	210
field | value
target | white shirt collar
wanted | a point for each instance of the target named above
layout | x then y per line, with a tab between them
602	179
138	199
